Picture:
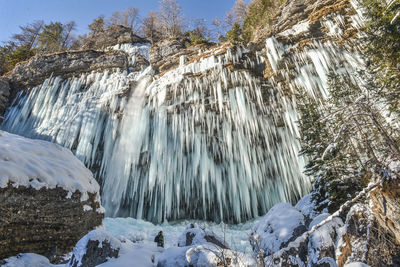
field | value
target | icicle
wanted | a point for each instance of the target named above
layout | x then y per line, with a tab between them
208	146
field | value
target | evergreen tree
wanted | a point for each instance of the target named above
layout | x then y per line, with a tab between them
382	47
346	139
234	35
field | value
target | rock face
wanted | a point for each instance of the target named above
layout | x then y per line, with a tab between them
164	51
116	34
165	55
366	240
386	207
48	199
41	67
4	94
94	249
44	221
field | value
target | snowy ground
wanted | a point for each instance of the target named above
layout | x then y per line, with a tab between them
144	249
235	235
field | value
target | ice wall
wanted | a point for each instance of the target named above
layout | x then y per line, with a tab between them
206	140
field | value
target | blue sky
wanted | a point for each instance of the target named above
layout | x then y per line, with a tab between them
20	12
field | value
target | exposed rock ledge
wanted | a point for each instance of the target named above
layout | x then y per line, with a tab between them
48	199
41	67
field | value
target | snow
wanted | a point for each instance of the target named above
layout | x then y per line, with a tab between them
235	235
27	260
276	228
296	29
318	219
87	208
135	239
324	238
307	206
173	256
203	256
356	264
135	255
38	164
95	235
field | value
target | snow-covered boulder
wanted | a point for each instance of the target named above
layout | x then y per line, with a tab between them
322	243
194	235
281	225
94	249
48	199
307	206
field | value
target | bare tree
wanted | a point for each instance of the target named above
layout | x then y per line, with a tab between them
239	11
29	34
128	18
97	25
171	18
150	27
237	14
67	35
217	28
229	19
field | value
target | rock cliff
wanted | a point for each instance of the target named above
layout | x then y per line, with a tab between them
64	64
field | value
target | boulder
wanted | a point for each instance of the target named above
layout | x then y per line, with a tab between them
48	199
4	95
281	225
94	249
194	235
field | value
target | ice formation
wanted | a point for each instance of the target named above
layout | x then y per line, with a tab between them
201	141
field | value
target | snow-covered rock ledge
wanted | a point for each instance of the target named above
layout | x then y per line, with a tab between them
48	199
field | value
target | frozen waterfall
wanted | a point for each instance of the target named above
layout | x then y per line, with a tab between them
201	141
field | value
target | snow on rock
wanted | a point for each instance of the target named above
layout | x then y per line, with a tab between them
282	224
54	194
296	29
307	206
26	260
236	235
173	256
141	254
356	264
38	164
318	219
194	235
203	256
322	243
95	248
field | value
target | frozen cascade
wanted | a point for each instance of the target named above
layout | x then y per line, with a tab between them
202	141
